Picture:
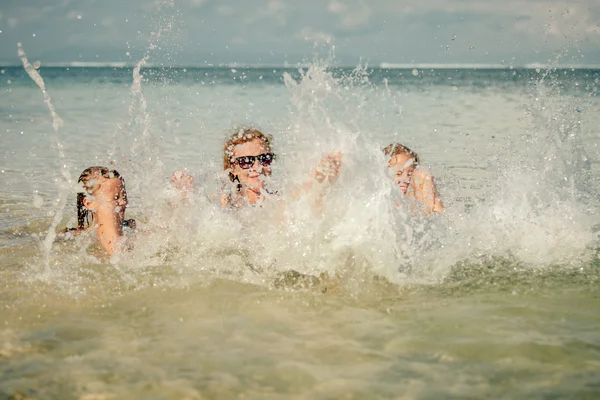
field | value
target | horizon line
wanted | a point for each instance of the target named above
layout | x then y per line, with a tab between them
233	65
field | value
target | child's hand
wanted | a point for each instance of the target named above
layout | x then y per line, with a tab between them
329	167
182	181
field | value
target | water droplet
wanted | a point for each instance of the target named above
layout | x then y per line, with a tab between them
415	72
38	201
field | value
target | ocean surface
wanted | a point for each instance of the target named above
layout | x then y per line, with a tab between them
496	298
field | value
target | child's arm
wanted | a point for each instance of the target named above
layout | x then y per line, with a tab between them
108	232
323	175
184	183
424	190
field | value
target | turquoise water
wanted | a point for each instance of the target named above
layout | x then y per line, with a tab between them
498	298
575	80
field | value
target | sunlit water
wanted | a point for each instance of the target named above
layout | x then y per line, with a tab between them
498	298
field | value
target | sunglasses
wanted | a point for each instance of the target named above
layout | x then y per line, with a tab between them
246	162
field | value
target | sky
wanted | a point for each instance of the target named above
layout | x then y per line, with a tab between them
200	32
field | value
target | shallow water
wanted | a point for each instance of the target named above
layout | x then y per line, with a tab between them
496	299
510	335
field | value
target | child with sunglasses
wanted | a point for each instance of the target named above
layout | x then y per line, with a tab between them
247	158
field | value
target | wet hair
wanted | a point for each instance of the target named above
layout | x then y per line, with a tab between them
396	149
88	181
241	136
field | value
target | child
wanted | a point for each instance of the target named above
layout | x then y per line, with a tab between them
103	200
412	181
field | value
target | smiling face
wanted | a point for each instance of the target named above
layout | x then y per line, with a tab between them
107	199
251	178
402	167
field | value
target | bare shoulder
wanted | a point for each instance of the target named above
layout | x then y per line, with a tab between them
422	177
422	174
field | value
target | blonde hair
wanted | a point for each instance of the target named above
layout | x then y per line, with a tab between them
241	136
396	149
89	181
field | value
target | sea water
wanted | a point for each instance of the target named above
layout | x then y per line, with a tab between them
497	298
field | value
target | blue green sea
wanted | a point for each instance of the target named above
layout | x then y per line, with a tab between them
496	298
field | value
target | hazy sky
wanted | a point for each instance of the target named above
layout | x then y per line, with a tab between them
273	31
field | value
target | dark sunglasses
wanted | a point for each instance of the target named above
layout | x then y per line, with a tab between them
246	162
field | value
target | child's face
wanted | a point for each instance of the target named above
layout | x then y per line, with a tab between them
402	167
108	198
251	176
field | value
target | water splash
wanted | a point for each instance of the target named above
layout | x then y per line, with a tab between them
137	151
68	182
536	212
355	232
566	164
540	210
359	232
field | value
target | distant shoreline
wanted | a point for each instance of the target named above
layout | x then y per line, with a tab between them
382	66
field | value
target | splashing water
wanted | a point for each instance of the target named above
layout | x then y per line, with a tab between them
68	182
360	230
136	150
344	291
329	301
539	210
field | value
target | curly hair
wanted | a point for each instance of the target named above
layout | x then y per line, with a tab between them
396	149
241	136
88	180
